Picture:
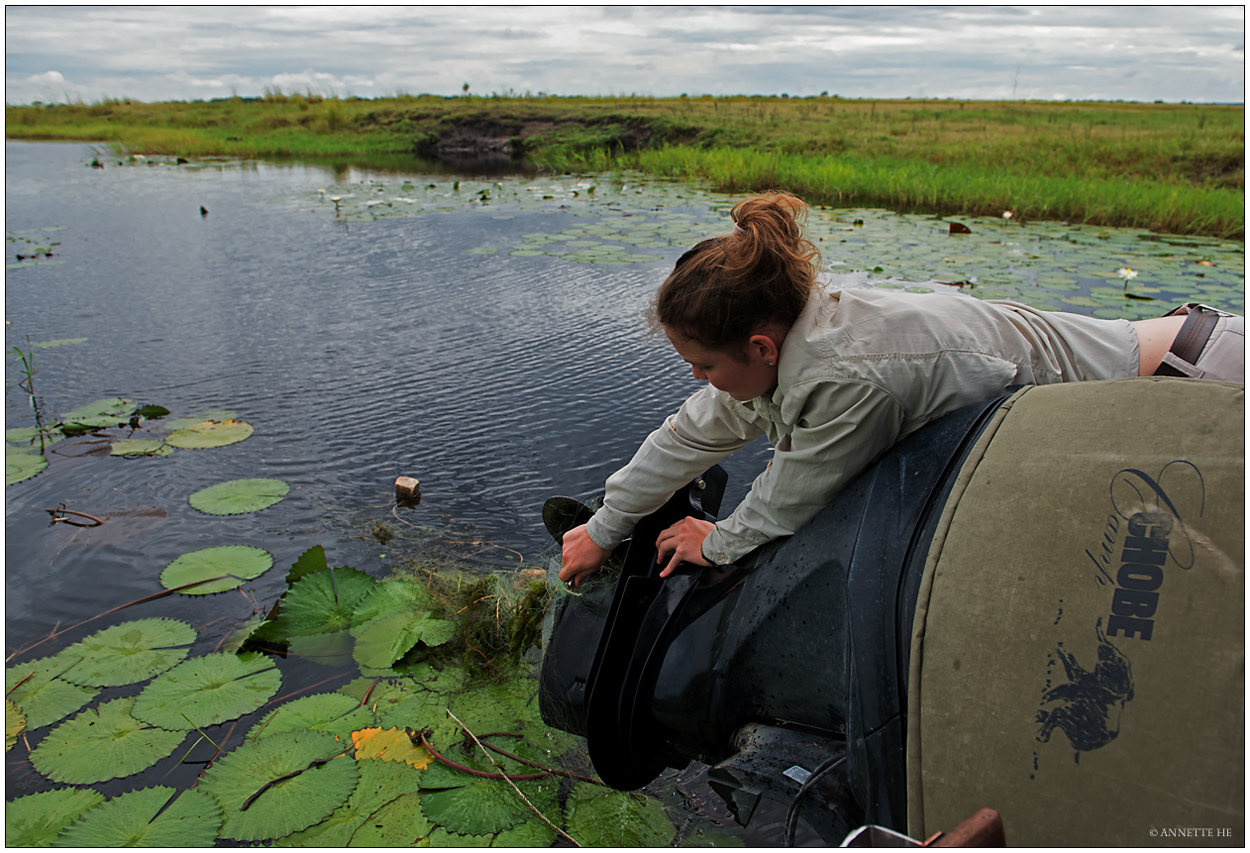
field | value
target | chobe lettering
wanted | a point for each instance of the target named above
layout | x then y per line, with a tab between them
1136	596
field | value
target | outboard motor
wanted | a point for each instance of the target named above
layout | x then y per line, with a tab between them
853	671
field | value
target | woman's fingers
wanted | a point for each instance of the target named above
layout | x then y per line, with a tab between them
580	557
682	542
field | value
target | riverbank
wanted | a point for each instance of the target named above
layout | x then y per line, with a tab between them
1175	168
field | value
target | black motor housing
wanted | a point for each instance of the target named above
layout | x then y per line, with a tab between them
793	659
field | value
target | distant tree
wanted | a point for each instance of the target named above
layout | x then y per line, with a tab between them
465	88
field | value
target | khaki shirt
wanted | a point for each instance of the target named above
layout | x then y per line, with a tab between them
859	370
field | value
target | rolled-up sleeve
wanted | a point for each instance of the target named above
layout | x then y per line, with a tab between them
842	428
703	432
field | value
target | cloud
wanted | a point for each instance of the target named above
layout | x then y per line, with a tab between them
156	53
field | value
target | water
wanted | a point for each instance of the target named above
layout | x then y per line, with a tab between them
484	336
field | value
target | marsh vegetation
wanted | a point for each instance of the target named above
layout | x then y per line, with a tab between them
1177	168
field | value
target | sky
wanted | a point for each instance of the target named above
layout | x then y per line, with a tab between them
154	53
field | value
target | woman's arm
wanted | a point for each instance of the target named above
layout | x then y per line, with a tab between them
843	428
703	432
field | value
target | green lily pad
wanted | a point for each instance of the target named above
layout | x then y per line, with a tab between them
44	697
324	602
332	649
208	690
217	415
37	820
210	434
14	723
30	435
532	833
128	653
391	596
622	820
105	412
483	806
136	819
20	465
139	447
380	783
316	778
234	497
103	743
385	639
325	712
399	823
60	342
440	837
239	562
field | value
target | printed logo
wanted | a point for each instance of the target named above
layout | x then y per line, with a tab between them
1144	540
1087	708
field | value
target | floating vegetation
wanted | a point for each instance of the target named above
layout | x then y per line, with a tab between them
128	653
235	497
209	434
104	743
208	690
992	257
280	784
21	464
37	820
150	817
411	753
216	569
31	247
146	434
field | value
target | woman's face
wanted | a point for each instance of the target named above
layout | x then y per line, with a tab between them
742	380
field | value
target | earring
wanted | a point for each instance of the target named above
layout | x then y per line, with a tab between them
768	361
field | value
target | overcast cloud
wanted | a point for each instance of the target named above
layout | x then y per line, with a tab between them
151	53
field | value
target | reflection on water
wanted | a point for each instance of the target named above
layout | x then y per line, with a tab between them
482	335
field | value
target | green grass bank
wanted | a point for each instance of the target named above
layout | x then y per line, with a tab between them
1176	168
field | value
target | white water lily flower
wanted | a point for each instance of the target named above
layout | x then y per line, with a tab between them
1126	273
1006	214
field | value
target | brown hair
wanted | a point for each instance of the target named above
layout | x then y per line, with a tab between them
725	288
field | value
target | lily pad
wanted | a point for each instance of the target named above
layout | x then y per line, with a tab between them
238	562
36	820
140	447
623	820
440	837
399	823
20	465
208	690
136	819
128	653
324	712
44	697
14	723
482	807
287	782
376	744
103	743
324	602
219	415
385	639
391	596
234	497
210	434
380	783
60	342
101	413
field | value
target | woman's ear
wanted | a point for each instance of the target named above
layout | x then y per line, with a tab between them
763	345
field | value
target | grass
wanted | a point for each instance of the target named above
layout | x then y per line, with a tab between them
1176	168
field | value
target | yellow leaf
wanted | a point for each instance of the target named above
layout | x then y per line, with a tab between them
390	745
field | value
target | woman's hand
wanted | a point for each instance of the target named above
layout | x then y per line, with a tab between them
580	557
683	541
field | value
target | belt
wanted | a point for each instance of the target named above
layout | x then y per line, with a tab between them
1190	340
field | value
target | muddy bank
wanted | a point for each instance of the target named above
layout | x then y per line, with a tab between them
488	138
